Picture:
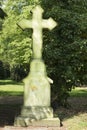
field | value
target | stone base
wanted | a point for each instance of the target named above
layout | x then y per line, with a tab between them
32	128
32	114
49	122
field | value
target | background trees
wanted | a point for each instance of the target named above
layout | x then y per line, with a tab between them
16	43
65	47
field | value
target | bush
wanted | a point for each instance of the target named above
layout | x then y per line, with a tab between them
65	47
4	70
18	72
1	70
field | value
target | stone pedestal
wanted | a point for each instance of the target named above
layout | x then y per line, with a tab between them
45	123
37	85
30	115
36	96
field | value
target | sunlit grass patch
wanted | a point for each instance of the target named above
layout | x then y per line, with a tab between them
79	92
10	88
7	82
77	122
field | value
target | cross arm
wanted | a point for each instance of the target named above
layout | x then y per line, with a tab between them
25	24
50	24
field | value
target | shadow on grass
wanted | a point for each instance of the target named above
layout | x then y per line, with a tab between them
10	101
8	113
11	93
78	105
11	109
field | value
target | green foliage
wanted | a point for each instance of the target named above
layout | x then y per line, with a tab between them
16	44
18	72
65	48
4	70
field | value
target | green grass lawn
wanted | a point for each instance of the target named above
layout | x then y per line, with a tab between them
73	119
79	120
79	92
10	88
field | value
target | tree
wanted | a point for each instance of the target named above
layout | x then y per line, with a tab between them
65	48
16	43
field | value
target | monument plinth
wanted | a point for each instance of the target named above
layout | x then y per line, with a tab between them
37	84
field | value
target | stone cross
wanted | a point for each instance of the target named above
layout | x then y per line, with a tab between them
37	84
37	24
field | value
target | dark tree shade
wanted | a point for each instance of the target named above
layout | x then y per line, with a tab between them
2	14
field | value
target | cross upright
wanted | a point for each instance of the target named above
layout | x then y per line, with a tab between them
37	24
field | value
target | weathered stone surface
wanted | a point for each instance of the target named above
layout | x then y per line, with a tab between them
37	112
37	24
37	84
36	95
49	122
31	114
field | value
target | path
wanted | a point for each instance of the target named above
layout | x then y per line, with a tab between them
10	107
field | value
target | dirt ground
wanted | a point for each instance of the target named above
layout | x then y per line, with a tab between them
10	107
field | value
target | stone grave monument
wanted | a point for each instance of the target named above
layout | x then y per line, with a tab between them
36	109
